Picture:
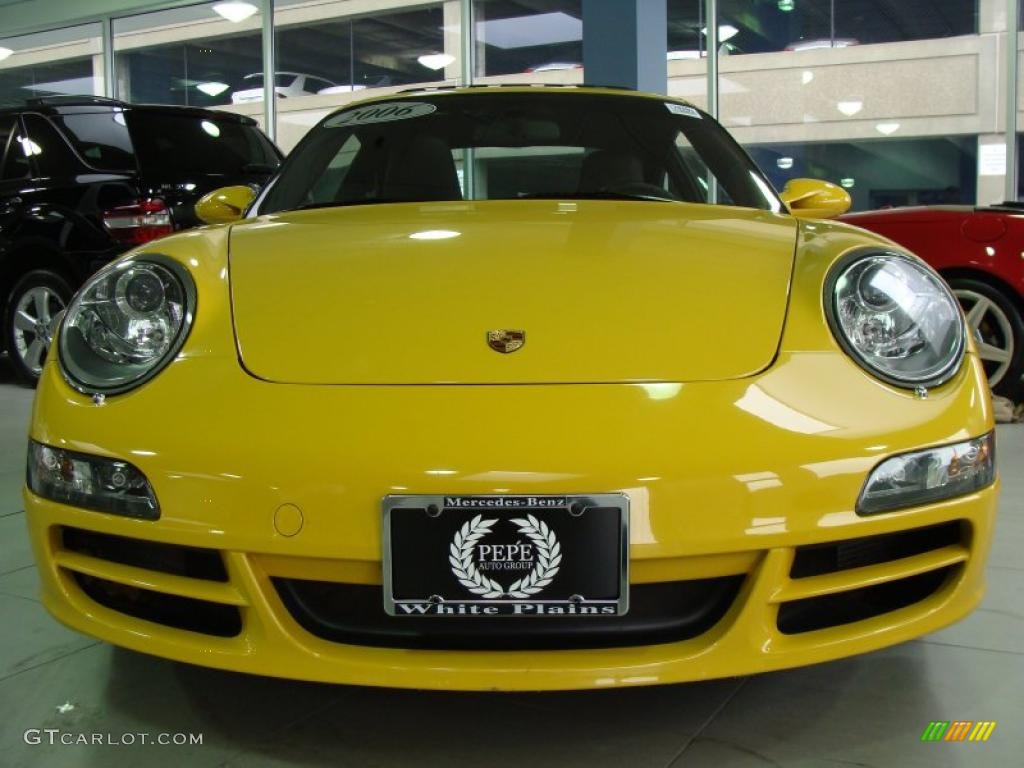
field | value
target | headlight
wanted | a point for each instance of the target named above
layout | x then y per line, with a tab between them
924	477
895	317
93	482
126	324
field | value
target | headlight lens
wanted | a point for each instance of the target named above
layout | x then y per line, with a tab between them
924	477
126	324
897	318
92	482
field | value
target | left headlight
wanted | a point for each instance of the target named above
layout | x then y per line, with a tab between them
895	317
126	324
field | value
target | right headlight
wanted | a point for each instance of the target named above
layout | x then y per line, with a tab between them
126	324
895	317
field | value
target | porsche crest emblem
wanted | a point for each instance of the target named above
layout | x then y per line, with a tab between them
506	340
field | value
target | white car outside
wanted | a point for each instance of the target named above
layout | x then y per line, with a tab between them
286	85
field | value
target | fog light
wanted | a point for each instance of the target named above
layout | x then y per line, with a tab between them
928	476
92	482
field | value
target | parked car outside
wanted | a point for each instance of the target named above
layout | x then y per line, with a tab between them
286	84
84	179
978	251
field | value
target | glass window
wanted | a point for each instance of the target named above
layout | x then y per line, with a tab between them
15	163
100	138
757	26
882	21
60	62
190	55
175	145
322	50
10	167
515	146
51	154
881	173
528	36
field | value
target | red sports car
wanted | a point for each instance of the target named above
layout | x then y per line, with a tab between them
980	252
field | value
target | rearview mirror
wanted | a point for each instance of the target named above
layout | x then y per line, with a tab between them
224	205
815	199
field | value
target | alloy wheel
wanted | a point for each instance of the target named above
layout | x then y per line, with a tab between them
33	317
992	331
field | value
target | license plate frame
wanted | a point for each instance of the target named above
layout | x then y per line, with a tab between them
480	538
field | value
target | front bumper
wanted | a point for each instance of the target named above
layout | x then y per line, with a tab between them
726	479
747	639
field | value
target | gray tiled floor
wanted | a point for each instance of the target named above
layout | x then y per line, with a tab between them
865	711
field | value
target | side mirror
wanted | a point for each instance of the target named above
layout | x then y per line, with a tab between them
815	199
224	205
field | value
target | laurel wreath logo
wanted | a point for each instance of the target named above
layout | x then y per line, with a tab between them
548	561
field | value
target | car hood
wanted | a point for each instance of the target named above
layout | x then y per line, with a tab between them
604	291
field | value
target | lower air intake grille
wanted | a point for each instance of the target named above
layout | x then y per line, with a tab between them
160	608
658	613
858	604
818	559
193	562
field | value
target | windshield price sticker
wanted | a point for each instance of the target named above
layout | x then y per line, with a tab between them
682	109
382	113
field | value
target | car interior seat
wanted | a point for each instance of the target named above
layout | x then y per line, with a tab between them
604	169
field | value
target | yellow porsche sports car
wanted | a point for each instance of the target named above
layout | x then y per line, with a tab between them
513	388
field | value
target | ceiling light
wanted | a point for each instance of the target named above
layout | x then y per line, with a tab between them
787	5
785	163
725	32
213	89
849	108
5	52
235	10
847	183
887	128
435	60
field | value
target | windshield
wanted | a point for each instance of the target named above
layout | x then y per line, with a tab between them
515	145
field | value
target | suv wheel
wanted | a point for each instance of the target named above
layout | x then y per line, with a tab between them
995	322
36	299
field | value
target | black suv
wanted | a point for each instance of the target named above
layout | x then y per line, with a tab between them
84	179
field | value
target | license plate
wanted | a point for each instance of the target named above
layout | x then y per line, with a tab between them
485	556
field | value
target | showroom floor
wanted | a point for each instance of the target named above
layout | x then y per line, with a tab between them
866	711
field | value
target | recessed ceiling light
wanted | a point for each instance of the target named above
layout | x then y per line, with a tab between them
5	52
849	108
213	89
787	5
887	128
785	163
435	60
848	182
235	10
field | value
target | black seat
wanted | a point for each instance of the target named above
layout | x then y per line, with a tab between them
422	170
604	170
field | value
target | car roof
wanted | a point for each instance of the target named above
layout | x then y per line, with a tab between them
482	88
57	105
